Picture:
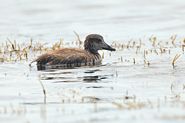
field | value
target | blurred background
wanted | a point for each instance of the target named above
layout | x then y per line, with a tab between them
50	20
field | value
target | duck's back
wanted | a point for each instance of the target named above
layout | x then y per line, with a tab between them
67	58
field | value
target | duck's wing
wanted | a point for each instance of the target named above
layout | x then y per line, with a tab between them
73	57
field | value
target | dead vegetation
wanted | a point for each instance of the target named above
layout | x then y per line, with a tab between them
12	51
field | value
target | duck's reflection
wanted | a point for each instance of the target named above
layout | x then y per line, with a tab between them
87	79
93	79
87	76
92	71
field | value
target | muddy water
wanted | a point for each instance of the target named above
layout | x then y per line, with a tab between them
116	91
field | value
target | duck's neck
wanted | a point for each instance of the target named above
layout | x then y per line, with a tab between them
95	52
90	48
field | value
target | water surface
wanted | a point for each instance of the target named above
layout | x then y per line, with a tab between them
116	19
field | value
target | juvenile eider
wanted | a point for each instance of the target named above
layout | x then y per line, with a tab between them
73	57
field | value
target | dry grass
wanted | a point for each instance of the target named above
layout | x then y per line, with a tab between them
12	51
175	59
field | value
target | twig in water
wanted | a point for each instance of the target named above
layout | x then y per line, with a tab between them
175	59
134	60
173	38
44	90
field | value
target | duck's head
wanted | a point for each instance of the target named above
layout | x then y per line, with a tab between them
95	42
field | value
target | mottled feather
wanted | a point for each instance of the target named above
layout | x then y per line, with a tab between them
68	57
72	57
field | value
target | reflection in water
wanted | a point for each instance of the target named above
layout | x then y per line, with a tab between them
53	78
76	75
93	78
88	79
55	72
92	71
95	87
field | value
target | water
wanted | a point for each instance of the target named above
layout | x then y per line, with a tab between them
117	20
116	91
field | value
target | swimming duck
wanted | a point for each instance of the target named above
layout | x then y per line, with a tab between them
73	57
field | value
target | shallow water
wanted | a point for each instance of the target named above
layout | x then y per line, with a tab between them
118	90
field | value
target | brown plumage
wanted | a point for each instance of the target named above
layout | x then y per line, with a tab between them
72	57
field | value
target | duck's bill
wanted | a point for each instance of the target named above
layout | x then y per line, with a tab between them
107	47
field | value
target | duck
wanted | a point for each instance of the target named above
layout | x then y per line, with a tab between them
75	57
